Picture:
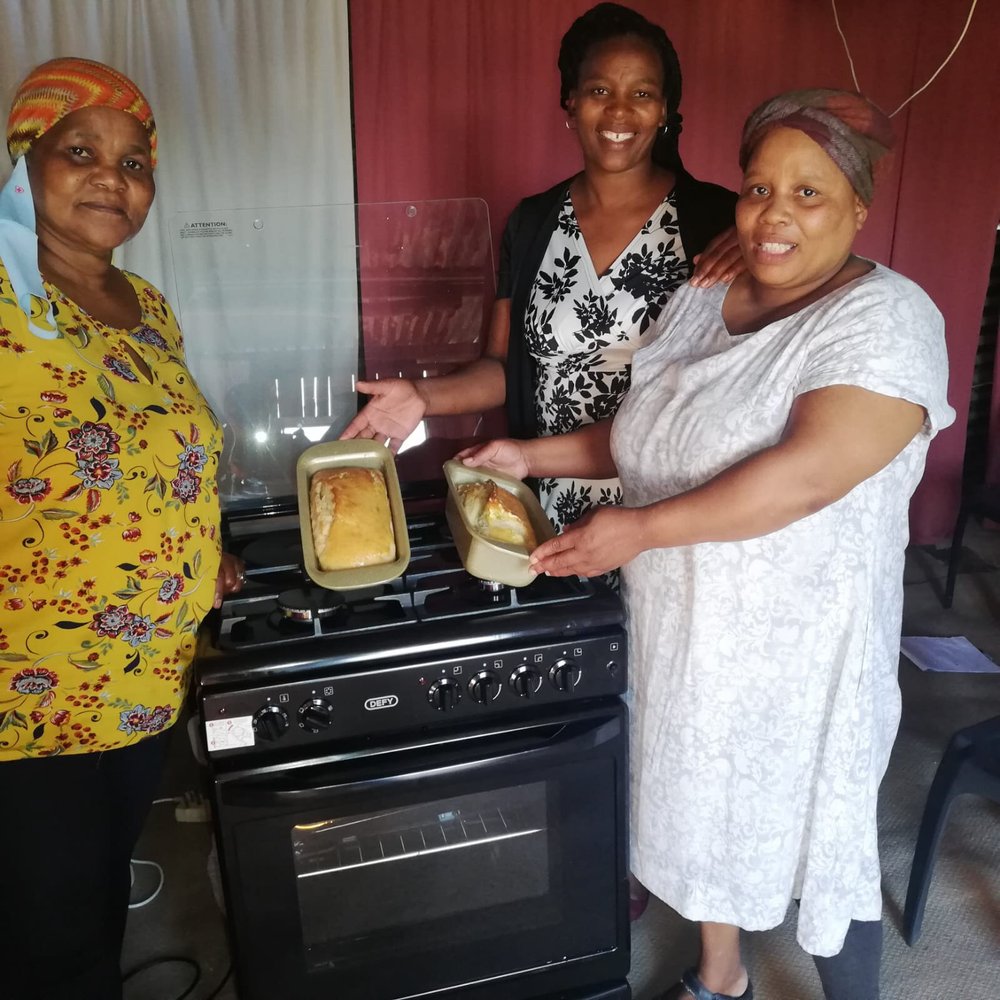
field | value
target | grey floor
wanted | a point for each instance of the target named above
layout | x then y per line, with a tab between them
958	955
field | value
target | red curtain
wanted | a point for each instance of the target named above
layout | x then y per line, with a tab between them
460	98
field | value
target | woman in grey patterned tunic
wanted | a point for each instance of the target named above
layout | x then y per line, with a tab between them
773	435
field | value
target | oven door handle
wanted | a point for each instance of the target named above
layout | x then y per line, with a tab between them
438	757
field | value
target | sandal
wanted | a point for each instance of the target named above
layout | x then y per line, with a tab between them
691	986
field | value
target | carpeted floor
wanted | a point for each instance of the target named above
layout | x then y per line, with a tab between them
957	957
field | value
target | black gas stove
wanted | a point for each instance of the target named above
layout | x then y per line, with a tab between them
291	665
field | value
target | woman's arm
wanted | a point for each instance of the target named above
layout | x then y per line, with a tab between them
585	453
398	405
720	261
836	438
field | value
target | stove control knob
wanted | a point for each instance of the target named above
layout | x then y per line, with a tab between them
484	687
565	675
525	682
444	694
270	722
315	714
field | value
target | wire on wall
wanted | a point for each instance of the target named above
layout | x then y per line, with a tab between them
854	76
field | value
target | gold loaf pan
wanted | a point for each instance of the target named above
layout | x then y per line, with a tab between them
345	454
483	557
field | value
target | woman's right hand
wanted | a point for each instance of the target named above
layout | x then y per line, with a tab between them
391	415
504	455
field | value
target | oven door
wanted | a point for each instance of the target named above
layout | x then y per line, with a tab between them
491	862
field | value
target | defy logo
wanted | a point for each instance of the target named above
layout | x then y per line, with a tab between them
386	701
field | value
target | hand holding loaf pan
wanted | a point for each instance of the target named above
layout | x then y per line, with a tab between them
496	522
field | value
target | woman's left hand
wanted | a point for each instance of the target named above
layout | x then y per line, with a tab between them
602	540
721	261
232	576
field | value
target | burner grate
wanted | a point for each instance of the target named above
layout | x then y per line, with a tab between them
279	605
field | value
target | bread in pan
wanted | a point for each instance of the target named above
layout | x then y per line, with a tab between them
496	514
350	518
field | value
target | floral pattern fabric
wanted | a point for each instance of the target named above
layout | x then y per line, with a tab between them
109	541
582	329
763	692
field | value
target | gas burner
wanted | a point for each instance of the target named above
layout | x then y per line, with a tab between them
306	604
466	596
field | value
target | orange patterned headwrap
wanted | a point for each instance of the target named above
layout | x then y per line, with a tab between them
58	87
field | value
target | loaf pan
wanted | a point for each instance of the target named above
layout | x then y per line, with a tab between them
483	557
345	454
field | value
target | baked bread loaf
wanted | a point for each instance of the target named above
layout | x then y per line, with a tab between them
497	514
350	518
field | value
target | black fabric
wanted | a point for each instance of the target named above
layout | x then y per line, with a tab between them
853	973
703	211
69	826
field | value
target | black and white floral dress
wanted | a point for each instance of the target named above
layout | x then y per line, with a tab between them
582	329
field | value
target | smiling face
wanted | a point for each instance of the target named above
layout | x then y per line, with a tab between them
91	180
618	104
797	214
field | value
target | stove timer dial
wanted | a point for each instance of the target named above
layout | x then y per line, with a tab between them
270	722
565	675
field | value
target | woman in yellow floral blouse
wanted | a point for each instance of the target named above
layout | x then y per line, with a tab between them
109	526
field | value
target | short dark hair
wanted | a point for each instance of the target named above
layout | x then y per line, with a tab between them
612	20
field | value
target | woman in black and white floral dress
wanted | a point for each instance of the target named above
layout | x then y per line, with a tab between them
581	330
587	265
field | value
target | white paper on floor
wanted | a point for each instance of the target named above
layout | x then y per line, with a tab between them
952	654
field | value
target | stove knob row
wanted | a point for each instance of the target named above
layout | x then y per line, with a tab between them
270	722
315	715
444	694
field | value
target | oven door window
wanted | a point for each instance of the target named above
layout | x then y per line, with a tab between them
485	858
425	880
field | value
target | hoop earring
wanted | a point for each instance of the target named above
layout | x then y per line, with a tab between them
567	124
665	129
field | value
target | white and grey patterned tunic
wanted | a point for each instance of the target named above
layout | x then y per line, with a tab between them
763	672
581	330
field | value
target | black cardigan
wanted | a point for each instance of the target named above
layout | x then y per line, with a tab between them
703	211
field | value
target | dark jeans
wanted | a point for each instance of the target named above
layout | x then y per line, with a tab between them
67	828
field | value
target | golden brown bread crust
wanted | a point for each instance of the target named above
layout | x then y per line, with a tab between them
350	518
497	514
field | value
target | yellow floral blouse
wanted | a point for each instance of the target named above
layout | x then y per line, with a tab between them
109	538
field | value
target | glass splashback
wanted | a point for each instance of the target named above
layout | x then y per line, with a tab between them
283	309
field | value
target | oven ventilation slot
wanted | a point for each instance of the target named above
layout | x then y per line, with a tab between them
452	832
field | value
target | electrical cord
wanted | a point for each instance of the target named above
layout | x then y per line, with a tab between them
182	960
947	59
149	899
152	963
192	964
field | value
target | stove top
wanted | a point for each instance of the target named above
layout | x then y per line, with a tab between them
279	606
286	661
